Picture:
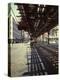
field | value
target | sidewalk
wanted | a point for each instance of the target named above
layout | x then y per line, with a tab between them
19	59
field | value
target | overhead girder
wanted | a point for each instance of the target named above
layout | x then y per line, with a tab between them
47	14
50	21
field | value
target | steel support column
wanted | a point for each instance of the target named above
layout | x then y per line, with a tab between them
48	37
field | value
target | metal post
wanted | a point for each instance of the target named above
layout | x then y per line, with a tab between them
43	38
48	37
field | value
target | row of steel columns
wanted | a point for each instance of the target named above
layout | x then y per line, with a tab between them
43	38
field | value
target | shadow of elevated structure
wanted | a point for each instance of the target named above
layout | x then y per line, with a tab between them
38	63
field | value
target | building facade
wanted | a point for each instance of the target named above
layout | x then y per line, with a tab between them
14	35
